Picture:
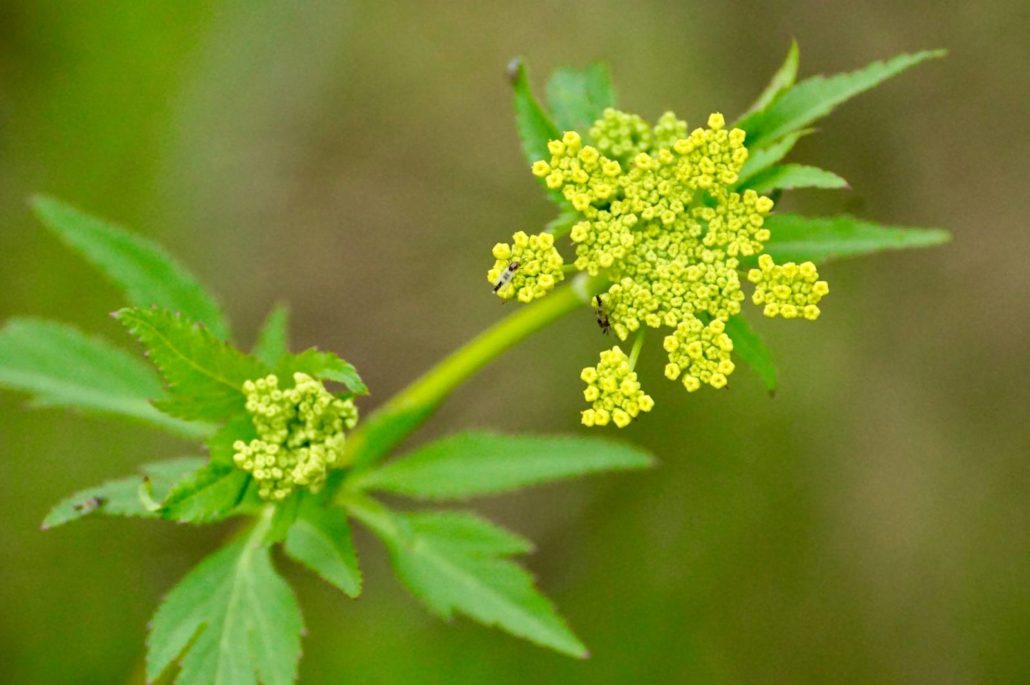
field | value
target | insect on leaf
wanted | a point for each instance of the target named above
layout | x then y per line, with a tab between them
121	497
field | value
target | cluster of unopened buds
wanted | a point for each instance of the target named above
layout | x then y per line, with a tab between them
300	434
662	224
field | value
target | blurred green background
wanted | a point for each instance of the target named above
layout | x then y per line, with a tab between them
868	524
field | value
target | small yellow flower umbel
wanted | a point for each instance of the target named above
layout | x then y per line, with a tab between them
300	434
613	391
529	268
789	290
661	217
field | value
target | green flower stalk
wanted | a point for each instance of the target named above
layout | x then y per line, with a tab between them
662	223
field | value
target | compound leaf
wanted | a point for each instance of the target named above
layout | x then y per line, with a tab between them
204	375
577	97
781	81
324	366
816	97
320	539
750	347
792	176
819	239
59	366
234	617
148	275
451	574
479	463
121	497
273	338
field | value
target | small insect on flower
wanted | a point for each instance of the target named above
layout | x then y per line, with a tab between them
90	504
506	276
602	316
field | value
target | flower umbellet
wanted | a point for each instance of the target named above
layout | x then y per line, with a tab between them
300	434
662	222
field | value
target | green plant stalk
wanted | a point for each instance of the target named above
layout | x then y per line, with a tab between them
405	411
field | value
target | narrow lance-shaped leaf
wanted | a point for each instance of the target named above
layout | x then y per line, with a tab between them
577	97
799	238
204	375
324	366
121	497
751	348
320	539
211	493
236	620
59	366
782	80
470	464
148	275
534	125
793	176
762	158
816	97
273	338
451	570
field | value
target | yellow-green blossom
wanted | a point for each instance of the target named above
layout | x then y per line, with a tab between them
700	353
613	391
300	434
789	290
660	217
537	266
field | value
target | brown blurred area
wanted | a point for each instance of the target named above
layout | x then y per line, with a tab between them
358	160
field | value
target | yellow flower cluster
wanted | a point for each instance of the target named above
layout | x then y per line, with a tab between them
700	353
531	265
613	391
789	290
300	434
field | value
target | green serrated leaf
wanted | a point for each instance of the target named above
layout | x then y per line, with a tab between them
534	125
323	366
816	97
284	516
320	539
121	497
273	338
60	366
782	80
204	375
220	446
471	464
148	275
793	176
450	577
750	347
210	493
467	532
236	620
761	159
820	239
577	97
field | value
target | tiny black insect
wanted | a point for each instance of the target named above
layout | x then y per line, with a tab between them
602	317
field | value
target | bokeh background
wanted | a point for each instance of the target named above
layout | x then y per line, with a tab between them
358	159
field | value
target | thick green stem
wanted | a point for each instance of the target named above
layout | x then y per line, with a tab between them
400	415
